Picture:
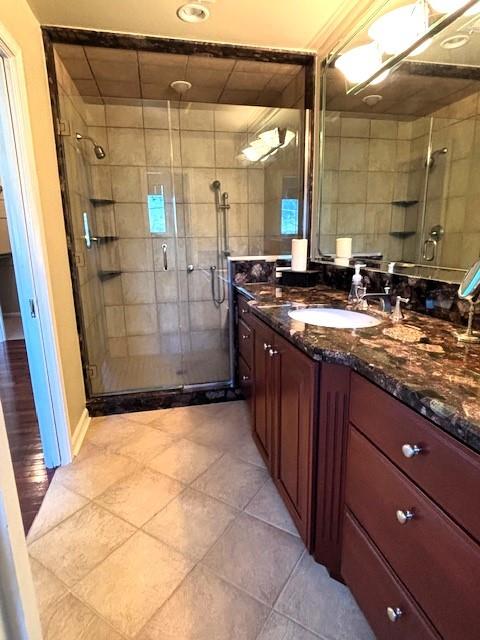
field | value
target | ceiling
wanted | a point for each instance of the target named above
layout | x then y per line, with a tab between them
266	23
121	73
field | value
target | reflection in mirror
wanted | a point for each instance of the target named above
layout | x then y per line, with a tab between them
470	290
401	159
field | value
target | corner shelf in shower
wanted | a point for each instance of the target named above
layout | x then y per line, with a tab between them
106	239
402	234
404	203
108	275
101	202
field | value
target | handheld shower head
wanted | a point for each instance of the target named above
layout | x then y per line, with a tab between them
98	150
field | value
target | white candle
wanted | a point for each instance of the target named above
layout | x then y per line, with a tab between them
344	247
299	254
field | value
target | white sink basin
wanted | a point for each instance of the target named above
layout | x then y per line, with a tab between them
334	318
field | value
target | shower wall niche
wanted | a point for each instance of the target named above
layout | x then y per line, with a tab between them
145	282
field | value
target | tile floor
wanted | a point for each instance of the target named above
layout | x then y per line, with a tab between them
168	527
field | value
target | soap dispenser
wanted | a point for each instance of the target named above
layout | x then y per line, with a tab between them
356	283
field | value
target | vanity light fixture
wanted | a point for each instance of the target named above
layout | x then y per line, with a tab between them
360	63
193	12
449	6
397	30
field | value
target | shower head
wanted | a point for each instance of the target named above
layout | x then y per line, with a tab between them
98	150
431	160
181	86
216	185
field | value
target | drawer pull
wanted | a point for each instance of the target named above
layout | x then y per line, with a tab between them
244	311
404	516
266	346
272	352
394	613
411	450
245	337
245	378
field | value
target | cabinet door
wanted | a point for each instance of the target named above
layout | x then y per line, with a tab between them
295	393
262	388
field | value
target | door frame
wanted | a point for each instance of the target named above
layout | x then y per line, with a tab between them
19	616
30	259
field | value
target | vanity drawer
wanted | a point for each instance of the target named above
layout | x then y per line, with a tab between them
445	469
245	342
377	589
244	311
437	561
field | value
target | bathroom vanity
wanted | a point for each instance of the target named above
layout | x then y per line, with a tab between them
372	438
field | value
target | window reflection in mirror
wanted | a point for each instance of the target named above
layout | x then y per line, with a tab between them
401	160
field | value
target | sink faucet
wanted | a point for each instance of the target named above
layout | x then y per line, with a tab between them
383	299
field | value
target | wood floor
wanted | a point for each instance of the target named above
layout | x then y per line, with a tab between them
16	395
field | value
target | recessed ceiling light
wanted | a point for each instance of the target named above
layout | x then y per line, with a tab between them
372	100
193	12
454	42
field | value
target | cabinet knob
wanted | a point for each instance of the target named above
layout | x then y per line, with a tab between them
272	352
394	613
411	450
244	311
266	346
404	516
245	378
245	337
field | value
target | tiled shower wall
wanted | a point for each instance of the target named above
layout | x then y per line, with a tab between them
367	166
454	188
153	146
78	157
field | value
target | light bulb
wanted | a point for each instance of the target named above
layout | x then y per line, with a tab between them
397	30
449	6
358	64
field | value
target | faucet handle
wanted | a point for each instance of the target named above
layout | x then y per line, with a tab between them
397	315
387	289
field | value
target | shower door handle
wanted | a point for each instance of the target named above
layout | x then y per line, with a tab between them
165	259
428	256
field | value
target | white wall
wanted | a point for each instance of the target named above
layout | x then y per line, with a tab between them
24	28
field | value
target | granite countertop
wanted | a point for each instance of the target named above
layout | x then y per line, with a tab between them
435	374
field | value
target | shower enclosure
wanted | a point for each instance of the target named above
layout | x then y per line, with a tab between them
160	193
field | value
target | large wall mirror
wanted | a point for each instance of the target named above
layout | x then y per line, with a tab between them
400	157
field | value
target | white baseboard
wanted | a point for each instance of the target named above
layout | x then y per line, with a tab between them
80	432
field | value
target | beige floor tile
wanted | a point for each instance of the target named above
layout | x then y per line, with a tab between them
255	557
232	481
134	582
191	523
143	417
245	449
139	496
185	460
70	619
322	604
146	444
219	434
90	475
78	544
206	608
48	589
267	505
111	431
58	504
180	421
278	627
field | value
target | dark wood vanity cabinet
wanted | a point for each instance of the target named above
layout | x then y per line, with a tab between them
285	386
383	498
